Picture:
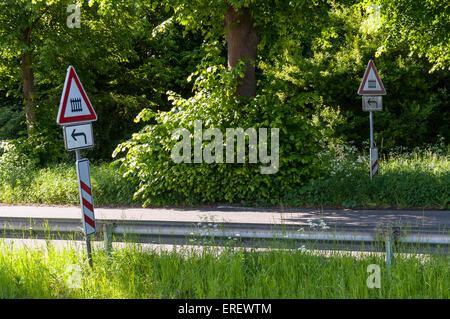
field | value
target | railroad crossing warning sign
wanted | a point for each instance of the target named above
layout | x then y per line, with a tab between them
75	106
86	200
371	83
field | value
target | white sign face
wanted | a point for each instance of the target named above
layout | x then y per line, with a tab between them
372	103
78	136
75	106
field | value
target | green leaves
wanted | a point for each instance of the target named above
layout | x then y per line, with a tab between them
423	25
162	181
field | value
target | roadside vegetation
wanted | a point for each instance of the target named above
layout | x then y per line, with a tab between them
419	179
137	272
166	64
151	67
416	179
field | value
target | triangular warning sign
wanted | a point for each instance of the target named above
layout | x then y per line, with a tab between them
371	83
75	106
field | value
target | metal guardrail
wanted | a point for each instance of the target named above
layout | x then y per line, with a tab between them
382	238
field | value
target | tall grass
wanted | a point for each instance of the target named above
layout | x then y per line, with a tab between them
57	184
135	272
417	179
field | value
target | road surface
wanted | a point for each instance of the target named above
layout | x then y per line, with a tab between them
428	219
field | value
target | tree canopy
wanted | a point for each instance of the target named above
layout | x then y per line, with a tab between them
423	25
130	54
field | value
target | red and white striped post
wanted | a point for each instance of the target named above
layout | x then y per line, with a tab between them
86	200
373	162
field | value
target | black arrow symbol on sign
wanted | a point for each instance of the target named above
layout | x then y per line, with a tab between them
74	135
374	101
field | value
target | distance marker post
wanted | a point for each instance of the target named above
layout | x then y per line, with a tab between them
86	201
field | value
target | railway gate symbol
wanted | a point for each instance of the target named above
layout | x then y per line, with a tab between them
76	105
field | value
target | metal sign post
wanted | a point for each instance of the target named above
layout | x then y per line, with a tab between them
372	89
371	129
373	151
75	115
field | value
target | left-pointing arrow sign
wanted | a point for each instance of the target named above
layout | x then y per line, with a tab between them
78	136
372	103
74	136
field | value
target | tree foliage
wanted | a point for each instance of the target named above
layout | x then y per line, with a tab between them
423	25
122	65
311	56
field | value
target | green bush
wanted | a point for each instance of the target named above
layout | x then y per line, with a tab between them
12	119
15	167
162	181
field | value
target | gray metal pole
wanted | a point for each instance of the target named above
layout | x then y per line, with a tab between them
107	236
78	154
87	238
89	251
389	255
371	129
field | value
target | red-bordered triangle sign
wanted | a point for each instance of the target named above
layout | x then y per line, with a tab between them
371	83
75	106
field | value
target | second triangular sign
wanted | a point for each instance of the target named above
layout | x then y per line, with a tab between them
75	106
371	83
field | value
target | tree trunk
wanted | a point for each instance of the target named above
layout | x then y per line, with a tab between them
242	41
27	81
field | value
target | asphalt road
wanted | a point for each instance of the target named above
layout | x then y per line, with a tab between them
429	219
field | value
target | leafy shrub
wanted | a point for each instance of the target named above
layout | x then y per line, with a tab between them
42	147
15	167
12	120
162	181
110	187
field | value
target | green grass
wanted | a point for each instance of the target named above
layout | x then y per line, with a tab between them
58	185
134	272
419	179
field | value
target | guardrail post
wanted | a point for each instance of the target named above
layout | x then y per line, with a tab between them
391	238
389	254
89	251
107	236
